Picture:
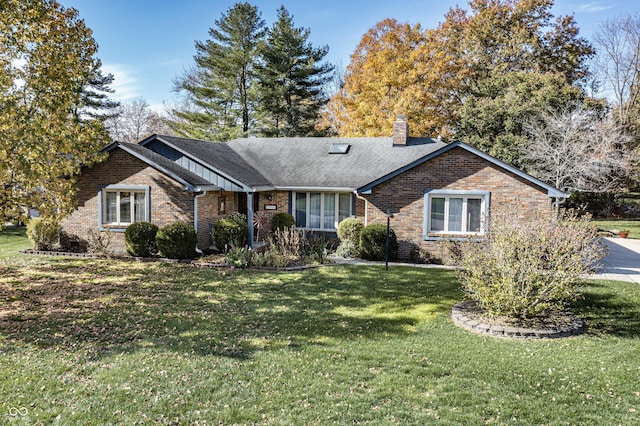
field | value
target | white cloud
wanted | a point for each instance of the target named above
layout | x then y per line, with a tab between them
125	84
593	7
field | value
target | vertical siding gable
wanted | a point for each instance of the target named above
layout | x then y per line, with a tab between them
193	166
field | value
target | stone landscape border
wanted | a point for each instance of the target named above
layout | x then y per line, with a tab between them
465	315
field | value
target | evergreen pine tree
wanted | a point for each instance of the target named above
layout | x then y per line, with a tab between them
220	86
291	78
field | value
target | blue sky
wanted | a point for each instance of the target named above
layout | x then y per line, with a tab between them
146	44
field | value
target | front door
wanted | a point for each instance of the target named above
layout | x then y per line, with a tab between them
242	202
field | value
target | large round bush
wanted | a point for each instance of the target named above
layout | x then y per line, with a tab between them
140	239
531	270
177	241
373	240
281	221
229	232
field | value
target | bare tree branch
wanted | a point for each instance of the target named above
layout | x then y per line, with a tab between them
577	150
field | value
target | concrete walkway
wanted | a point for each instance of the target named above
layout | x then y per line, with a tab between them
623	261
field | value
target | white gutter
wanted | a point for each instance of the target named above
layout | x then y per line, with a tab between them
366	206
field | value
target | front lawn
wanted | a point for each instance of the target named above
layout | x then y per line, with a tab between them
633	226
13	239
105	342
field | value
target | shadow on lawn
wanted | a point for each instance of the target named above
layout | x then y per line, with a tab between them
102	306
608	312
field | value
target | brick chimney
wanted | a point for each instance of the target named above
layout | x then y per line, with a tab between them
400	131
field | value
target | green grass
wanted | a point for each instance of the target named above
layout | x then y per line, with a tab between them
13	239
113	342
633	226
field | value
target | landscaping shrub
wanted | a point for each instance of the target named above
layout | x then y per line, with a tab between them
349	231
230	232
239	257
347	249
140	239
527	271
44	233
373	242
99	242
177	241
282	221
289	242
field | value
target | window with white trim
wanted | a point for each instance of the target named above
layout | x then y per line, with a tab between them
321	210
122	206
457	213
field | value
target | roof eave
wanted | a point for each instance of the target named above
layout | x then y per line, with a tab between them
551	191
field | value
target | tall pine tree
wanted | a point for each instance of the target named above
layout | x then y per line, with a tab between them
292	77
220	87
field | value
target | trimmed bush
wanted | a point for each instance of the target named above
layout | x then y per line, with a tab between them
177	241
281	221
230	232
43	233
349	231
140	239
373	240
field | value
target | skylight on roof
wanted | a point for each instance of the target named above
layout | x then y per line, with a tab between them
339	148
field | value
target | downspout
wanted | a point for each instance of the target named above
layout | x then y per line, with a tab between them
195	215
366	206
250	217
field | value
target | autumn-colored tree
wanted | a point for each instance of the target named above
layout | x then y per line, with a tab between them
395	70
515	35
46	62
429	75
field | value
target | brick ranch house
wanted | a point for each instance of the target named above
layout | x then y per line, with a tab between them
432	189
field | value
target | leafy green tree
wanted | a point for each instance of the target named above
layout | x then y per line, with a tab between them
220	87
509	35
47	60
430	75
292	77
493	119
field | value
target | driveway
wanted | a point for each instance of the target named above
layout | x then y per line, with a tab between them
623	261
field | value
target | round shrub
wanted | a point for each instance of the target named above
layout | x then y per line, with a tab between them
229	232
529	271
373	242
177	241
44	233
281	221
140	239
349	230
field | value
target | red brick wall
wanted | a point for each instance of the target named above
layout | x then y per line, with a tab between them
170	202
456	169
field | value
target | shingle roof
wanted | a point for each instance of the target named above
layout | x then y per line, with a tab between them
307	163
220	157
180	174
